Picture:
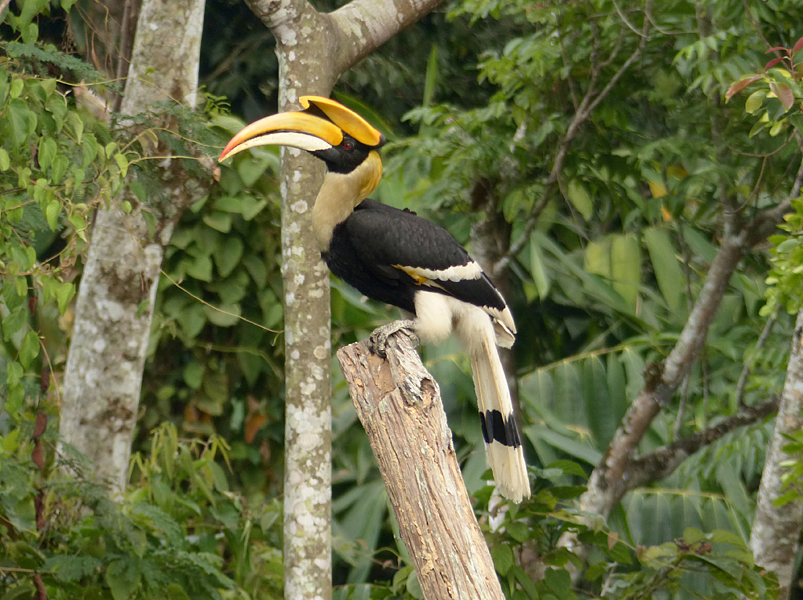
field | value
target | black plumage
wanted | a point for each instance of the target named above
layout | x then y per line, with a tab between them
369	247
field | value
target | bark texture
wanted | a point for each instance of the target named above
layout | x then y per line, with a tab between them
116	295
775	537
399	404
313	49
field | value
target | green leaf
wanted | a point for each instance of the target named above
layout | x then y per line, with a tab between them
77	126
90	150
538	269
251	168
666	267
64	294
122	576
559	581
192	319
580	198
5	160
200	268
29	349
60	166
252	207
122	163
219	220
230	204
597	258
47	152
193	375
30	9
431	77
626	268
3	85
228	255
30	33
18	115
174	590
17	85
503	558
692	535
52	212
414	586
754	101
72	568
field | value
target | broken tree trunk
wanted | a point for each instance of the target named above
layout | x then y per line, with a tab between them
399	405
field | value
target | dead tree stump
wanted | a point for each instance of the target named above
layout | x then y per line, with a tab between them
399	405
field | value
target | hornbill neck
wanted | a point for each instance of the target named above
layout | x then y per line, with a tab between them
340	194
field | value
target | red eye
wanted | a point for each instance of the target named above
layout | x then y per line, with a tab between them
347	145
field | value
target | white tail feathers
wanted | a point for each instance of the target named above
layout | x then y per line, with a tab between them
480	329
502	438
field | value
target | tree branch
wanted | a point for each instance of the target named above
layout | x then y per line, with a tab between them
606	485
663	461
363	25
351	32
399	404
589	102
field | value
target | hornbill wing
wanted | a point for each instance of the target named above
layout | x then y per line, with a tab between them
394	241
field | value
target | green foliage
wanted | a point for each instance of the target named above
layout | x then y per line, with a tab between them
786	279
793	471
180	532
600	286
630	184
56	163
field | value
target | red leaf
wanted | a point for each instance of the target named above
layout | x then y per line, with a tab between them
777	49
773	62
252	425
798	45
740	85
41	424
784	94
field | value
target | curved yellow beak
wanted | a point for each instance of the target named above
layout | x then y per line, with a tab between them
319	127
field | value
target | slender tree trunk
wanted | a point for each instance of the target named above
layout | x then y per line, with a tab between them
307	327
399	405
314	49
116	295
776	529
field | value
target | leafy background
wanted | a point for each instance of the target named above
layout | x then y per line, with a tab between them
601	286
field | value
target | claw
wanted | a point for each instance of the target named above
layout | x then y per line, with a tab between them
379	338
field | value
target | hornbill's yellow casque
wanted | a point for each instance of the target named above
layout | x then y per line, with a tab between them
397	257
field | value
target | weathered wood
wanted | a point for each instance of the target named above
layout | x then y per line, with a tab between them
399	405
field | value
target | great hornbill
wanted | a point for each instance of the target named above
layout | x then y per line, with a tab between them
396	257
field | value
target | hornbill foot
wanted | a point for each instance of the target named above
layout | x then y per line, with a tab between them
379	338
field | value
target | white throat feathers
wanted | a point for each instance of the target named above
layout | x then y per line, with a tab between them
340	194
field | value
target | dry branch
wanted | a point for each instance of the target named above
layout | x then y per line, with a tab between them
399	404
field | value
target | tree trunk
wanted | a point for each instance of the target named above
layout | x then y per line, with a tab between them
116	295
775	536
314	49
399	404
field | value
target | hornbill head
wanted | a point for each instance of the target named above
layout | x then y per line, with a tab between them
345	141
